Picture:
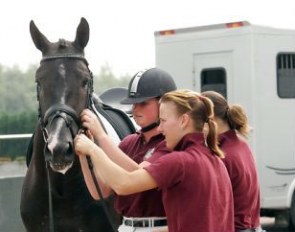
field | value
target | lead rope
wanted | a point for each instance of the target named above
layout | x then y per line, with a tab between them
50	207
107	212
45	136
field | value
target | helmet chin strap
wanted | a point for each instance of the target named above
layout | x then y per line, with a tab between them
150	127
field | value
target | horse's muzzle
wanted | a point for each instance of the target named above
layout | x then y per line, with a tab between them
59	155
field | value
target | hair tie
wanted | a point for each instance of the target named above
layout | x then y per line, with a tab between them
208	119
226	111
202	98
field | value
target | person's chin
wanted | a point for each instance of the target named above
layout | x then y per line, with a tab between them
168	146
137	119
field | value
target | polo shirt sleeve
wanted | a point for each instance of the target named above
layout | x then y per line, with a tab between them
167	170
124	143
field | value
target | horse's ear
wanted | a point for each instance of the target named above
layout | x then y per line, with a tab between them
82	34
40	41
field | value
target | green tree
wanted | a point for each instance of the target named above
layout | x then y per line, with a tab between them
17	90
106	79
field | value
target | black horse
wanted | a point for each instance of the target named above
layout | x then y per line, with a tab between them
54	195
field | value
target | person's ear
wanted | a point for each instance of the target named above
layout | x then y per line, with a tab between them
184	121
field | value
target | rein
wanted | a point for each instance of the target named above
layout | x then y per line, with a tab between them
62	110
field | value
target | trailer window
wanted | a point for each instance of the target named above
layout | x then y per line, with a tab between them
214	79
286	75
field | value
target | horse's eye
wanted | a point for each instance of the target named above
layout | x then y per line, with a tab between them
85	83
38	86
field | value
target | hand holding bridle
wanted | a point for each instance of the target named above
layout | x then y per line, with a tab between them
91	123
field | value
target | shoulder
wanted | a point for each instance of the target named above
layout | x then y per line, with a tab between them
236	150
132	138
231	139
161	147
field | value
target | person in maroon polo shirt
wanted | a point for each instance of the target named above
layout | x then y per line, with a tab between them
141	211
196	189
233	128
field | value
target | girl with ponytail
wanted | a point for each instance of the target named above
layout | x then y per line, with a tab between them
233	128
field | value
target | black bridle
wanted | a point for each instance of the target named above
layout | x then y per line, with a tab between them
62	110
71	118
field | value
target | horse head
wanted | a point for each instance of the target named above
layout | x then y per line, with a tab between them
64	87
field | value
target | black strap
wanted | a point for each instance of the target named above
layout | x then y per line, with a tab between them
50	205
150	127
103	200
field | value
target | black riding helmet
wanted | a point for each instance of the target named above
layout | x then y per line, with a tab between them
148	84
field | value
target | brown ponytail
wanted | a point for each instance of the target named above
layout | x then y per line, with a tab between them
234	115
212	137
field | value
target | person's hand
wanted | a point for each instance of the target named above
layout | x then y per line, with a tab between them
83	145
144	164
91	123
89	135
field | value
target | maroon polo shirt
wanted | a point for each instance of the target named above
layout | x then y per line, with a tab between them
147	203
197	193
241	167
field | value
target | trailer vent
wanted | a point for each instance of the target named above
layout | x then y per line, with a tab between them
286	75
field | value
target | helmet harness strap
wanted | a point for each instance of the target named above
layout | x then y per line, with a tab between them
150	127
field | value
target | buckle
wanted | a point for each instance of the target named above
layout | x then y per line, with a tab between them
145	222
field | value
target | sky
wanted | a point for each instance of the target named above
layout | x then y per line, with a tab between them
122	31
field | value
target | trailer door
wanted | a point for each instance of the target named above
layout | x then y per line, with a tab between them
213	71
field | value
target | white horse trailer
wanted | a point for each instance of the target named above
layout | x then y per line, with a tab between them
254	66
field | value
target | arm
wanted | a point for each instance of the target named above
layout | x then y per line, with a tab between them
91	123
89	181
121	181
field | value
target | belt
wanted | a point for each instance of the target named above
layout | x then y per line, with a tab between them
247	230
259	229
145	222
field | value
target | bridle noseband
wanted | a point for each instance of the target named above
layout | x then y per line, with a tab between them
68	114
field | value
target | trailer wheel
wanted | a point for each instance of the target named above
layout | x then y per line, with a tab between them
292	212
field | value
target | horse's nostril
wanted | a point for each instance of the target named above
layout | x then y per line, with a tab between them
70	150
47	153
